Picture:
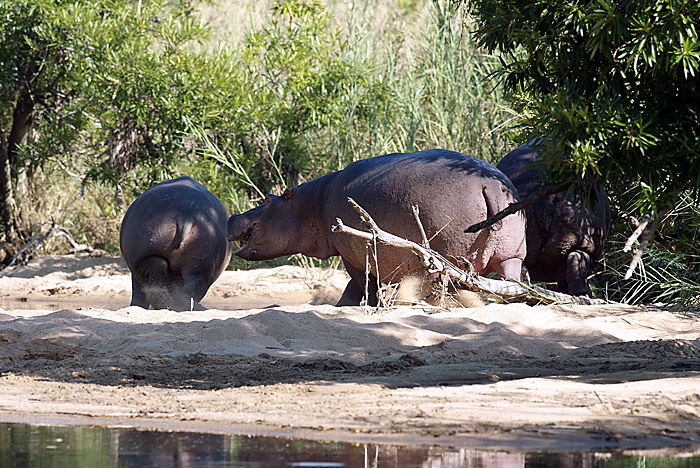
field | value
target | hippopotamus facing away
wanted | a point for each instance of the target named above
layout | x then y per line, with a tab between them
451	190
173	239
564	236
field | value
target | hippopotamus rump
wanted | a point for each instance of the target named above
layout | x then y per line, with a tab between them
173	239
450	189
565	237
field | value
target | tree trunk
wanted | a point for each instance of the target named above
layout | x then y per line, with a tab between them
12	230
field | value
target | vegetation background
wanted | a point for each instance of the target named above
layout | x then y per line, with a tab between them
250	97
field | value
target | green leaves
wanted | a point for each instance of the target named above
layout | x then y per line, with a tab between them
293	82
617	77
111	80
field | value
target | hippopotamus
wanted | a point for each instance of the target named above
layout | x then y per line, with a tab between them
565	236
173	239
449	188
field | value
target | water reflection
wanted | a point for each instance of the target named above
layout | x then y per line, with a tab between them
23	445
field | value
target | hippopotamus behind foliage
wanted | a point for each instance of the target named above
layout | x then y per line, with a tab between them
173	239
565	237
451	190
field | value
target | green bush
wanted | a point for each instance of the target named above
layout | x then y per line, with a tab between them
305	98
291	83
615	86
93	89
669	271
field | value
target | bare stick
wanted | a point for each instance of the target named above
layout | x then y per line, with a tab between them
637	232
416	214
536	196
380	297
644	239
36	241
436	263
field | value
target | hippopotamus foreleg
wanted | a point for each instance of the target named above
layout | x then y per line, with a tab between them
576	283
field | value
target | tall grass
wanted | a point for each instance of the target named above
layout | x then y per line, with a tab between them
444	97
438	82
403	83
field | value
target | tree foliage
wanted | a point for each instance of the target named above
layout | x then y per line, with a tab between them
120	94
93	86
615	86
615	89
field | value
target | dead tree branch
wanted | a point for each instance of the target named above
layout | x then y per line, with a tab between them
416	214
637	232
436	263
536	196
644	232
38	239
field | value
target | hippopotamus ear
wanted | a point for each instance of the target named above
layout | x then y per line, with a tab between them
287	195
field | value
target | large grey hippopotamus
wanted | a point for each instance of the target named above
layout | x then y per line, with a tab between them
173	239
450	189
564	236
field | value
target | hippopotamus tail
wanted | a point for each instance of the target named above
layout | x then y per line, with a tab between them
495	202
183	227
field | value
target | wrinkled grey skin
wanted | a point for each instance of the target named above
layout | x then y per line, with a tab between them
173	239
564	236
451	190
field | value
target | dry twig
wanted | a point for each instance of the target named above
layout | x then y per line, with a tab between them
38	239
536	196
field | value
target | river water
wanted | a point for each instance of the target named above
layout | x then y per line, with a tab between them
25	445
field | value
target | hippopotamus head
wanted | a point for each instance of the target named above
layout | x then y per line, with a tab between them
267	231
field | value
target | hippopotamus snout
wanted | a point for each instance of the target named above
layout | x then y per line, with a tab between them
241	228
238	226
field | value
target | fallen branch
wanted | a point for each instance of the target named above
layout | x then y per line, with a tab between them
38	239
436	263
416	214
534	197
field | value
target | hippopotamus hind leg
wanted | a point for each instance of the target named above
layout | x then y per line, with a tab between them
193	290
577	264
510	268
147	290
355	289
138	296
155	268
